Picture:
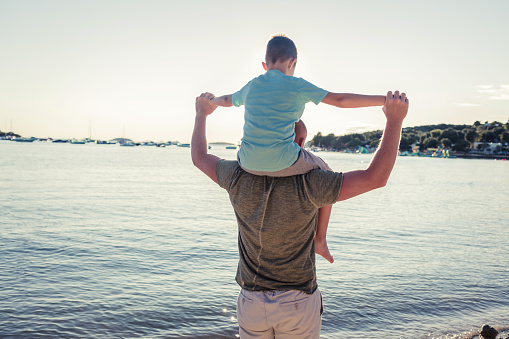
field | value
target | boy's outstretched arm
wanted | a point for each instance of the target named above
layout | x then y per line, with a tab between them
379	169
199	148
224	101
349	100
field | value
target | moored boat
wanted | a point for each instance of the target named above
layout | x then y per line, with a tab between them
23	139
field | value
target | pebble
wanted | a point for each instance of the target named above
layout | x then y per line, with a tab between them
488	332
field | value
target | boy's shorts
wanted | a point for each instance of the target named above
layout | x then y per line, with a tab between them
306	162
279	314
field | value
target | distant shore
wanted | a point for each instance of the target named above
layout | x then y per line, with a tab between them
451	156
502	157
482	156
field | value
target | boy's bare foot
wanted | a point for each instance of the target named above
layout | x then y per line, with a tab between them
322	249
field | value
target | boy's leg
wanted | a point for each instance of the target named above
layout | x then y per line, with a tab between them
324	213
321	247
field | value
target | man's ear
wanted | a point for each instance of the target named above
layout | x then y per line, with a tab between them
264	65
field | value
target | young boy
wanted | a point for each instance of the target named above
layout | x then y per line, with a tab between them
274	103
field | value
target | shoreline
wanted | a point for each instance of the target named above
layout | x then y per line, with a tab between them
482	156
502	157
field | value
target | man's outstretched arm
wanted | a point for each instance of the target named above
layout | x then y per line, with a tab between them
199	147
378	172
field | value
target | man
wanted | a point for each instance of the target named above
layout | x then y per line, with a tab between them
277	220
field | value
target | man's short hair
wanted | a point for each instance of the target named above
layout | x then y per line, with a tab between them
280	48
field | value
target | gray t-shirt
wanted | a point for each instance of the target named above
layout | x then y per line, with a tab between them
277	218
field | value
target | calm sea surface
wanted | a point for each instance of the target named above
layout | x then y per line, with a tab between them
102	241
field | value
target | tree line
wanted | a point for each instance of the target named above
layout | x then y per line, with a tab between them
459	138
9	134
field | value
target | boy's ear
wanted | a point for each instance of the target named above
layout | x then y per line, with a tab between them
264	65
292	63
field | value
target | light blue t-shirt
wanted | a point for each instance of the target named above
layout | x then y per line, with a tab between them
273	102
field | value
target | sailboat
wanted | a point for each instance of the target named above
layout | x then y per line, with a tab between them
124	141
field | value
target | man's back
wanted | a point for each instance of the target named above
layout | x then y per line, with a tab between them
277	220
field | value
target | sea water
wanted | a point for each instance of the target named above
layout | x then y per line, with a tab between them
102	241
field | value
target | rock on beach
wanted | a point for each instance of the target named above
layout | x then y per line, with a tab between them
488	332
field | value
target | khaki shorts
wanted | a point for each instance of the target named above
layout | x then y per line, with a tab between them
306	162
279	314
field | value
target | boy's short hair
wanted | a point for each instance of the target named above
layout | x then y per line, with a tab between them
280	48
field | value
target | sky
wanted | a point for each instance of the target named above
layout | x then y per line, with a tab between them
133	68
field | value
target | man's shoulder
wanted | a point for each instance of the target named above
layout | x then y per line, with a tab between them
226	170
223	164
323	178
322	186
321	175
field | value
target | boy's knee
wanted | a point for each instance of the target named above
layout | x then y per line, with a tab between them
301	133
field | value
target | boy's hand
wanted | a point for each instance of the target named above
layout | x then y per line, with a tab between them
396	106
203	105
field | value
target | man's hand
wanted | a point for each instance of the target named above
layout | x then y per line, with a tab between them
396	106
199	150
203	105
